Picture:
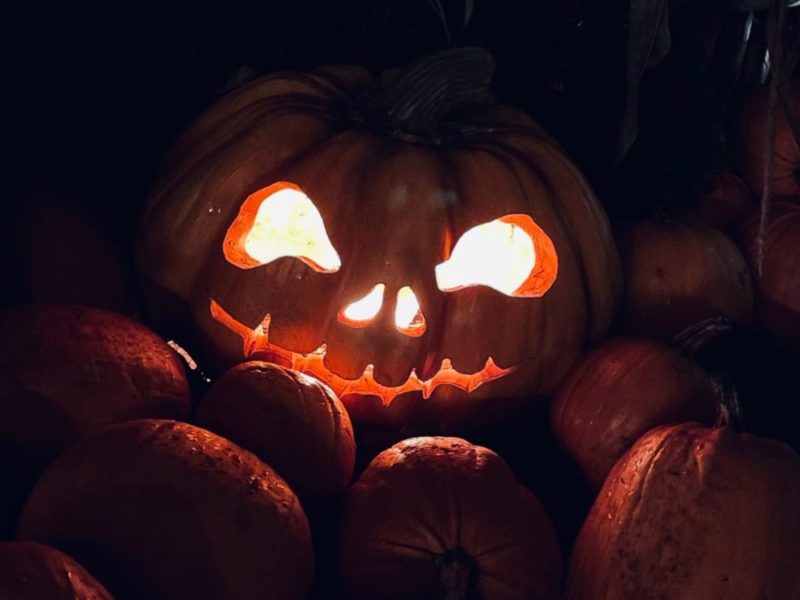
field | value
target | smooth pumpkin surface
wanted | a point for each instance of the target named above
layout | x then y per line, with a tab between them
31	571
693	513
162	509
678	274
395	199
433	516
291	421
620	391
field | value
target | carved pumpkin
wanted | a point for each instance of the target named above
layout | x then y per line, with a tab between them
696	513
289	420
620	391
436	517
678	274
398	242
162	509
31	571
778	287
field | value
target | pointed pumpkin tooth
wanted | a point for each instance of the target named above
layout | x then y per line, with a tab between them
368	371
446	364
322	350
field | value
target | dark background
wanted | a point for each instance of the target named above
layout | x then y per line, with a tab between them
99	89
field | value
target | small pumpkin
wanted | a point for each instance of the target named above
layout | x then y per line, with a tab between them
68	371
291	421
621	390
692	512
754	122
31	571
436	517
778	286
399	241
162	509
677	274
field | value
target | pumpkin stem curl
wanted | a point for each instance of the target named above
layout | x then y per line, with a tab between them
455	571
434	86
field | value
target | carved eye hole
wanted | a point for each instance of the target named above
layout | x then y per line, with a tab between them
361	312
277	221
512	255
408	317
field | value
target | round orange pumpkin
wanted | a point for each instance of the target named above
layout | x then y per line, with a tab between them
436	517
728	200
396	241
31	571
162	509
778	286
620	391
754	122
289	420
68	371
691	512
678	274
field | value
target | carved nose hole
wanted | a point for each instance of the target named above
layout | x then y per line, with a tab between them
364	310
408	317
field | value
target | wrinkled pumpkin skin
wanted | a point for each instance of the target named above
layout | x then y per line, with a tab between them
620	391
393	206
32	571
162	509
778	288
429	498
691	513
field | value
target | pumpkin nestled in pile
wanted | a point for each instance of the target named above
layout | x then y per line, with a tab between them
693	513
289	420
68	371
436	517
161	509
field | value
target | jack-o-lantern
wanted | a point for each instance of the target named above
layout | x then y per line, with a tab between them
399	239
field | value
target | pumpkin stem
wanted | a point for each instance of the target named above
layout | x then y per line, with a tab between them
729	406
435	85
455	571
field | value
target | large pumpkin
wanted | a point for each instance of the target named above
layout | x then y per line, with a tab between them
697	514
620	391
402	241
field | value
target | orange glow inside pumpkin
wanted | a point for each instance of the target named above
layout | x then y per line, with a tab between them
257	346
408	317
278	221
361	312
512	255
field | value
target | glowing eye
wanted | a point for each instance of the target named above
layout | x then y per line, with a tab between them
408	317
361	312
512	255
277	221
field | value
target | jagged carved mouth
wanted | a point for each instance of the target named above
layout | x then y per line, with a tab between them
256	343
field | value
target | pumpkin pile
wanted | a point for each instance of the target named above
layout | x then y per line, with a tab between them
363	268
